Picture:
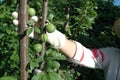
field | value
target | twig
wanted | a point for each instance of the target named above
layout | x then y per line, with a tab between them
44	18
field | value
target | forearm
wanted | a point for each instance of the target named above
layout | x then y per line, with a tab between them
69	49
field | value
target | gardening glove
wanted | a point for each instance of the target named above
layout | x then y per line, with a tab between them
116	27
56	38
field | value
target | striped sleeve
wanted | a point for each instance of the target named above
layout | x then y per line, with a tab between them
92	58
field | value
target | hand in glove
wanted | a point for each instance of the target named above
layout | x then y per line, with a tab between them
56	38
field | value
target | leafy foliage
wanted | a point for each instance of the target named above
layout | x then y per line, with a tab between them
102	29
89	23
8	41
7	77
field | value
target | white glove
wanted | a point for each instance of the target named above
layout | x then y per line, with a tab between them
56	38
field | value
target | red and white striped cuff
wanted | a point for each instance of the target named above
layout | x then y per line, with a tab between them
79	55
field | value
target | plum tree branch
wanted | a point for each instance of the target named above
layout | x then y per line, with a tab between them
23	39
44	19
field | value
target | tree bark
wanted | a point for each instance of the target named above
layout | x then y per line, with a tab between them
23	39
44	19
67	14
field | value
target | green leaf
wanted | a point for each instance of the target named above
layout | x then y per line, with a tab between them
33	64
54	55
14	57
38	4
37	30
52	65
37	76
69	31
50	17
31	23
45	77
8	31
1	35
7	78
51	76
29	30
40	59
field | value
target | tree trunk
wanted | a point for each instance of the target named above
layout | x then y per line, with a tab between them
23	39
